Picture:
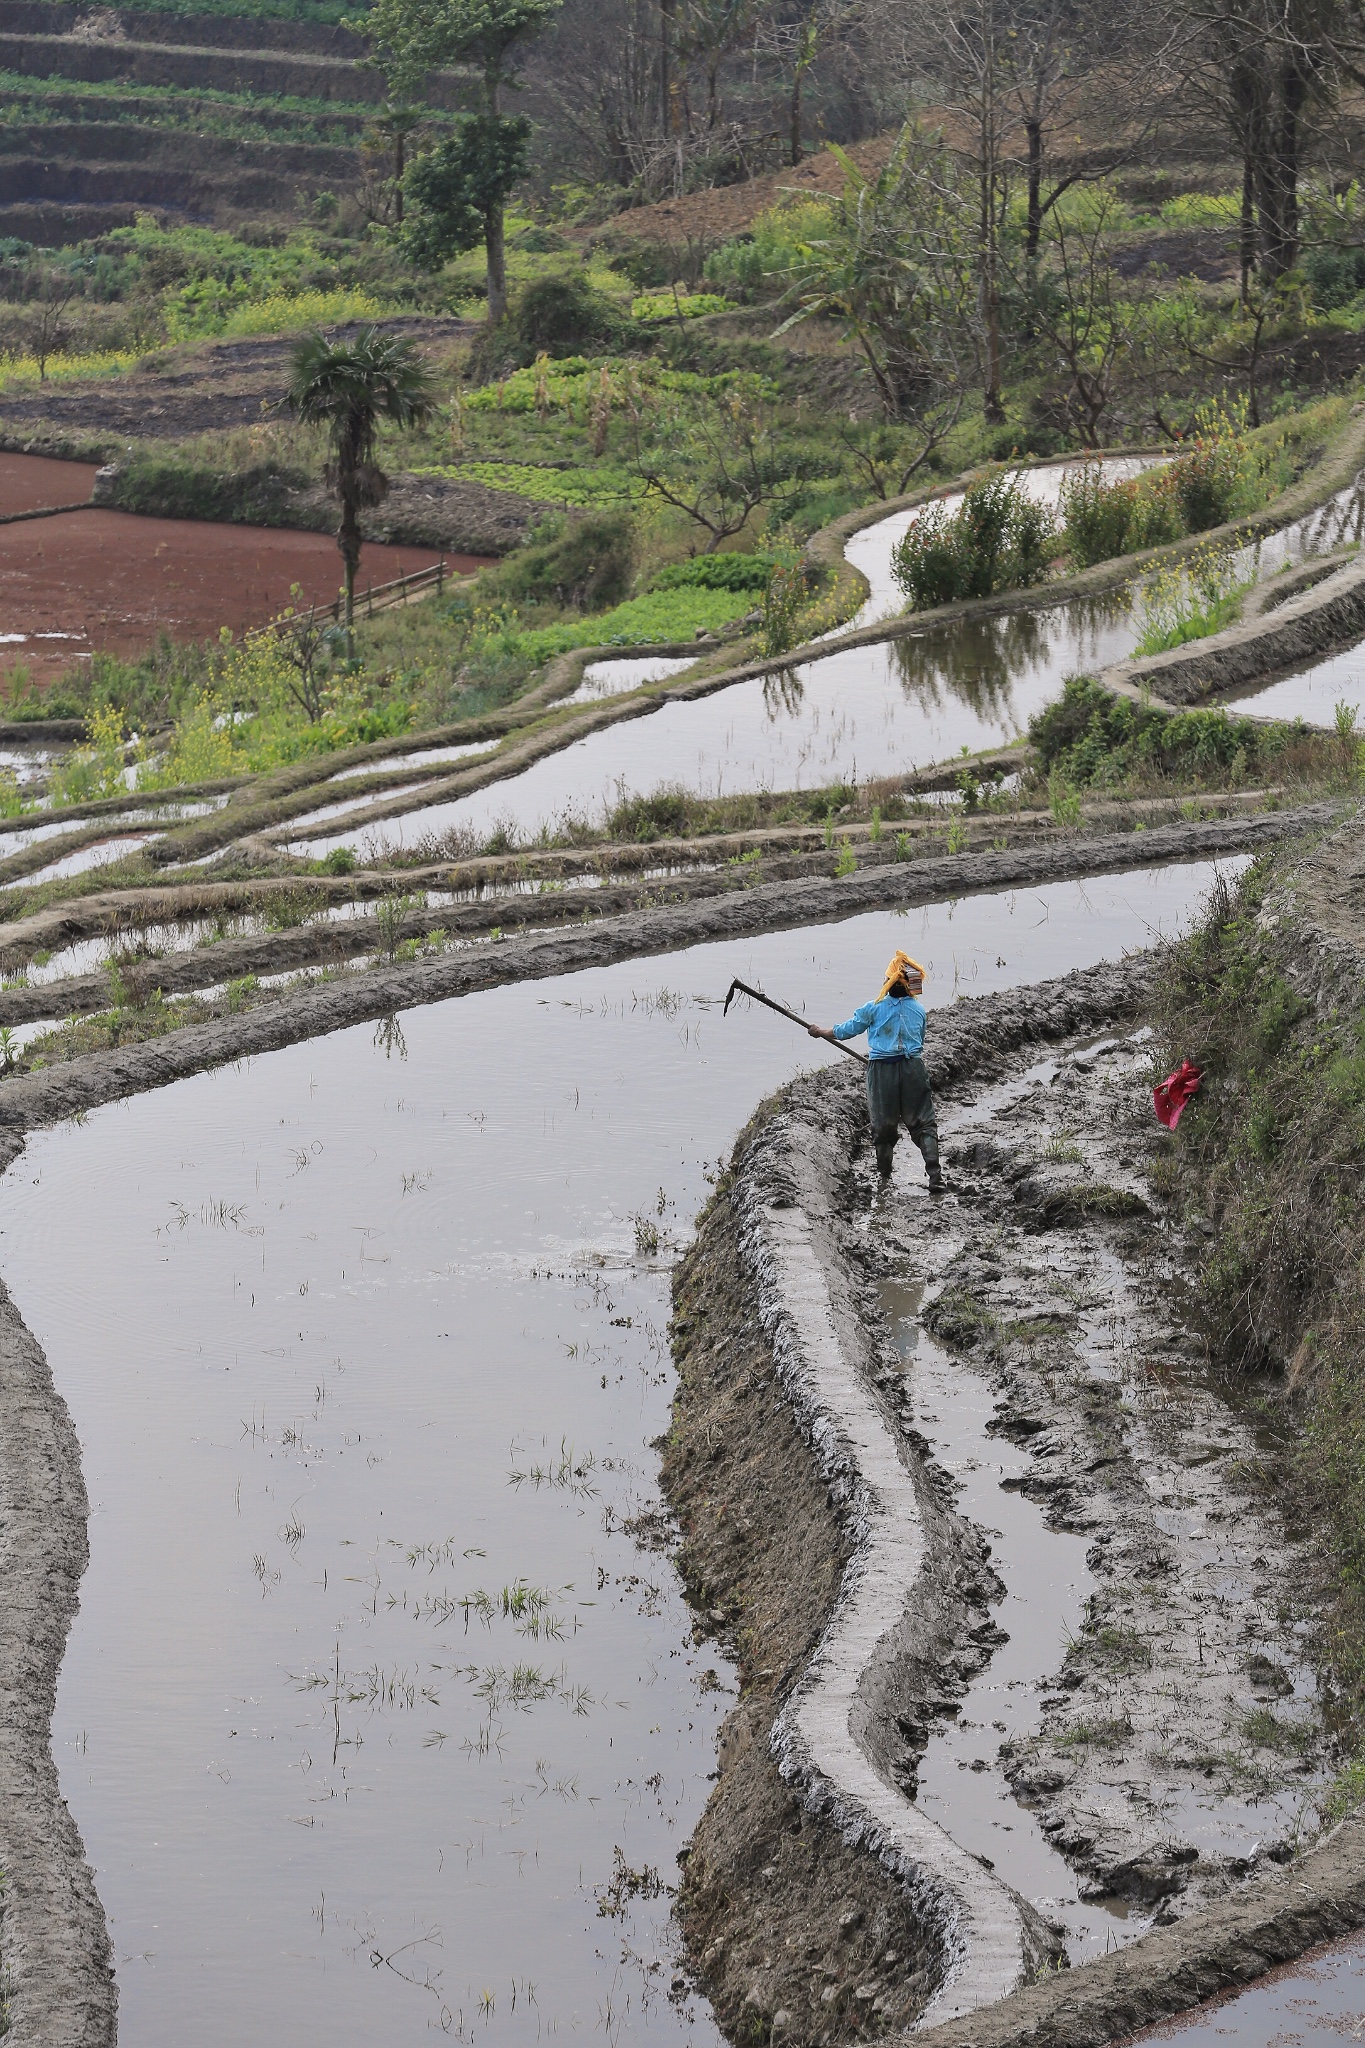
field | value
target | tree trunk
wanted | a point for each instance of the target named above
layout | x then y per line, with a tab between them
1246	240
990	305
1033	130
667	103
493	242
795	153
1291	95
348	541
497	264
399	166
1276	168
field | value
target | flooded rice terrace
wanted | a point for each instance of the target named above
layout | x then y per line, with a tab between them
377	1719
855	716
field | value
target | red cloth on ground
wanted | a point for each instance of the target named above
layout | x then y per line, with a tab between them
1170	1096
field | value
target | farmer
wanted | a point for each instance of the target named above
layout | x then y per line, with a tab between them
897	1084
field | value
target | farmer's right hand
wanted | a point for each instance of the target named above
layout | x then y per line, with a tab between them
818	1031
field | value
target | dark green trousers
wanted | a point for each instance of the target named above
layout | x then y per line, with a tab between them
898	1093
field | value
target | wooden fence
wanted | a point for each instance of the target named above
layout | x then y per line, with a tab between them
376	597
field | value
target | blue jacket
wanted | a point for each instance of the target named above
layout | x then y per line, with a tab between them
894	1027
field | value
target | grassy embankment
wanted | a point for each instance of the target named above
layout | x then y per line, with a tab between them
1269	1157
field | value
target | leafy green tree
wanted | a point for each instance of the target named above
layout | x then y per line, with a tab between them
412	38
350	387
456	189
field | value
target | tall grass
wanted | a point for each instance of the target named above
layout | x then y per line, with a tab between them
1189	600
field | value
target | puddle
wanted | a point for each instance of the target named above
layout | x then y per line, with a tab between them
392	1268
1047	1581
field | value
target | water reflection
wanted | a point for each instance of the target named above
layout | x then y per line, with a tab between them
783	693
861	714
980	662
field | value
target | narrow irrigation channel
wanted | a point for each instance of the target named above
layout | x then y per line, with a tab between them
383	1714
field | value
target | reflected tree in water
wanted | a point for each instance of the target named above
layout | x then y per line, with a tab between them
784	693
979	662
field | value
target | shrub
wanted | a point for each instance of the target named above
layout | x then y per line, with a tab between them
1096	514
583	563
1205	483
757	265
665	815
169	487
782	605
999	538
555	316
1091	739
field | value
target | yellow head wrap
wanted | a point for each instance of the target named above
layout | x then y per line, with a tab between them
901	964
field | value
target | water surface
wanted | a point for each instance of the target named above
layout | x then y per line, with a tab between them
362	1335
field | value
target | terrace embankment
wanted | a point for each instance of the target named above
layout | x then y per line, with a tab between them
79	156
59	1989
151	1047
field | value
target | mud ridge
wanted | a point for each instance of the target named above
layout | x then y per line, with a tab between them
59	1989
505	897
51	1093
791	1184
904	1583
1330	614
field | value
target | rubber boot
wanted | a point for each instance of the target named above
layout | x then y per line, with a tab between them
937	1184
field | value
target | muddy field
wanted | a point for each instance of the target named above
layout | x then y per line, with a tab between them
28	483
1101	1683
108	582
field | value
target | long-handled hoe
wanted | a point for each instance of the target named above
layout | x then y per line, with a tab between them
759	997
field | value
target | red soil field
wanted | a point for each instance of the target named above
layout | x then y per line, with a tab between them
110	582
30	481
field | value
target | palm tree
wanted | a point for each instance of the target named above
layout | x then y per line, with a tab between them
349	387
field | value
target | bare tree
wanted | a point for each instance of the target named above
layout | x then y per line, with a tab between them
1264	68
46	322
1069	67
1094	321
718	460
